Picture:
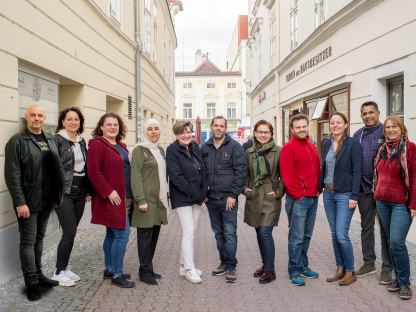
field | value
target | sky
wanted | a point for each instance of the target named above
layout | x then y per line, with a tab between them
207	25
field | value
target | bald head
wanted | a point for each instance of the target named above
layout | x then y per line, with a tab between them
35	117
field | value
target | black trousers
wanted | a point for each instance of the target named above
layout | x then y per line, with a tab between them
368	211
32	232
69	215
146	246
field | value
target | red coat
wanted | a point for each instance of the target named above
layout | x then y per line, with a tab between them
106	173
299	168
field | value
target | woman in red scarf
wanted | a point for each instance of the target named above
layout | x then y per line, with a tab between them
395	194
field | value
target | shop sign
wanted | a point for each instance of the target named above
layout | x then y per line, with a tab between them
310	63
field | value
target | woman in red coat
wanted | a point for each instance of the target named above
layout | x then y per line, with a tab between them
109	172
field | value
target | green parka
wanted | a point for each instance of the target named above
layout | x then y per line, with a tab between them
262	208
145	188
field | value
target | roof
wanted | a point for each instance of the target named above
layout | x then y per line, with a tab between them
208	68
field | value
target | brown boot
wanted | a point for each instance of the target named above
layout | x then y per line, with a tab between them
339	274
348	279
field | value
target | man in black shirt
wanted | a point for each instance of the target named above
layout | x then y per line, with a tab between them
34	177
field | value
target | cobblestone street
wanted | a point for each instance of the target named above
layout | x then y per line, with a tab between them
174	293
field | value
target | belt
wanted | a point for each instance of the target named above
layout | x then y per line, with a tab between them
329	187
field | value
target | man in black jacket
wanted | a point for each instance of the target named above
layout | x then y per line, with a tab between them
226	165
34	177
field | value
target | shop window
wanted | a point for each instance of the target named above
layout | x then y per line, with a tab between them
395	102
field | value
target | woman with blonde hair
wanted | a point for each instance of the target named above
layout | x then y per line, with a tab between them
395	194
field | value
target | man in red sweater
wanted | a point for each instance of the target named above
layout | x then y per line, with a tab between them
299	169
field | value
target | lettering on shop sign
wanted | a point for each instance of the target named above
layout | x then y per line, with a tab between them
310	63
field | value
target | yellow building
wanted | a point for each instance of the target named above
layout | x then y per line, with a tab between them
99	55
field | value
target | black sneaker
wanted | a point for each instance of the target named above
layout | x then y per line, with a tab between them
231	276
33	292
46	282
109	275
148	279
221	270
393	286
405	292
122	282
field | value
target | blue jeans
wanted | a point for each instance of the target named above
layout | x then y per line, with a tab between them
266	245
339	217
396	220
114	246
302	215
224	226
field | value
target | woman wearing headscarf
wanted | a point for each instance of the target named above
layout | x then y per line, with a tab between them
188	187
264	189
150	191
340	178
395	194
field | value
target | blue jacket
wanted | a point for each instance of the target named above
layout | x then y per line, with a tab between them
347	173
226	168
187	177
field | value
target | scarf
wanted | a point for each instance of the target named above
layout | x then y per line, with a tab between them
394	151
160	159
261	167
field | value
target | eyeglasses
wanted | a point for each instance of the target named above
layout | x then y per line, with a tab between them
263	132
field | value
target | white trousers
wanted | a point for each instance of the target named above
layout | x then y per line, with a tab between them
188	217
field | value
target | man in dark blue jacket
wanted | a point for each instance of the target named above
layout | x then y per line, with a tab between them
226	165
371	138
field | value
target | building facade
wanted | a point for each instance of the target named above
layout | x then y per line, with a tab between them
99	55
335	55
207	92
263	81
238	60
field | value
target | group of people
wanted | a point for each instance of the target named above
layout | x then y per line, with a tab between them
374	170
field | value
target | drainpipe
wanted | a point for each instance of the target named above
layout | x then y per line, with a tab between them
138	76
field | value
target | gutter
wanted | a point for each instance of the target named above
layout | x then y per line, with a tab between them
137	83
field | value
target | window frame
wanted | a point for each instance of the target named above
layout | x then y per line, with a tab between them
187	110
398	80
211	110
231	108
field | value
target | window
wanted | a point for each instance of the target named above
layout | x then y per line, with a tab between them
231	110
260	57
115	10
293	24
187	110
187	85
272	42
231	85
319	12
150	28
210	110
395	87
210	85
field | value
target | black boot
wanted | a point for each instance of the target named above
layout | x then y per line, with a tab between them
33	292
46	282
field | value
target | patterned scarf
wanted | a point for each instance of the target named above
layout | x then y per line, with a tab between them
394	151
261	167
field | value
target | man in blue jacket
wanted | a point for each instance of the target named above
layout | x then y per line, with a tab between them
226	165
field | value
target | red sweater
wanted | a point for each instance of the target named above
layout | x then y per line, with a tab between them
390	185
299	168
106	173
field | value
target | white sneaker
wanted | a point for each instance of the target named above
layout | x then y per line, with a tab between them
63	279
72	275
193	276
183	271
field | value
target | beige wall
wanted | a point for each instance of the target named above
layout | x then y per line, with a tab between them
91	56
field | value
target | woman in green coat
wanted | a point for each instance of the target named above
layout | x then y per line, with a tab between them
264	190
150	192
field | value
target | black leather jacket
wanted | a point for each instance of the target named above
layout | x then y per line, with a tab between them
23	171
66	155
